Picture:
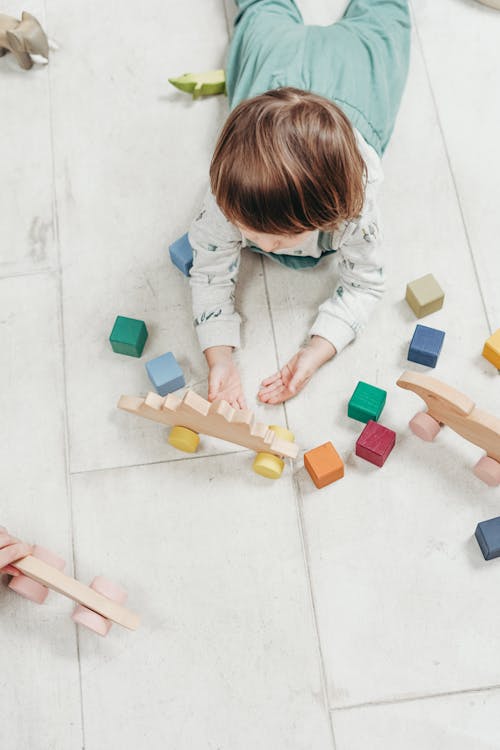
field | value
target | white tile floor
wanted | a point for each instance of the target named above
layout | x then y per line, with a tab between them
274	615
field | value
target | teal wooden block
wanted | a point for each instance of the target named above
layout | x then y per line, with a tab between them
366	402
128	336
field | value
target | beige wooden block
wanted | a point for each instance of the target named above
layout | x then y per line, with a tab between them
424	295
491	349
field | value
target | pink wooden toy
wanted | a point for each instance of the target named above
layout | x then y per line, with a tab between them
447	406
98	605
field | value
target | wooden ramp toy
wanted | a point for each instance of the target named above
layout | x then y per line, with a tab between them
193	414
447	406
98	605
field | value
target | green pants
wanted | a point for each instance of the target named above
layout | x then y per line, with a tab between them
360	62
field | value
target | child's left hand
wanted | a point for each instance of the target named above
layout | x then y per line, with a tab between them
11	549
297	372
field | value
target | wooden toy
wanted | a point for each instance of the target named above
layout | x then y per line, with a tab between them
324	465
23	38
128	336
193	414
181	254
492	3
426	345
201	84
375	443
488	538
491	349
424	295
98	605
366	402
447	406
165	374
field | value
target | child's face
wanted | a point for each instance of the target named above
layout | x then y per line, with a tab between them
273	243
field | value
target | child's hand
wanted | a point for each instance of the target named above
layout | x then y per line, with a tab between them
297	372
223	377
11	549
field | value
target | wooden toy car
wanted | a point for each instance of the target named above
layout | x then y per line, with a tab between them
98	605
193	414
447	406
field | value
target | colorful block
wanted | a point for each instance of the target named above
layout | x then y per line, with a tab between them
491	349
128	336
488	538
201	84
366	402
375	443
165	373
181	254
426	345
424	295
324	465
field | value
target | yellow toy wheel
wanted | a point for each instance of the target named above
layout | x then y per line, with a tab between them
267	464
184	439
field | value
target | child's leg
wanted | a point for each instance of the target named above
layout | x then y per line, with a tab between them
361	63
263	46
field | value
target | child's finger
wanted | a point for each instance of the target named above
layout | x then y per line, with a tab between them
271	379
241	402
9	570
272	397
270	389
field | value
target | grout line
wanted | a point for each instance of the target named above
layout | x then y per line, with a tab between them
69	493
44	270
155	463
417	698
302	536
450	167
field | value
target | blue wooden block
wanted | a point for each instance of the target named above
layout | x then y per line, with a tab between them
181	254
426	345
165	373
488	537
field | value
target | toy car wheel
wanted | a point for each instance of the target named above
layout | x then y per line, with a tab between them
184	439
36	592
488	471
268	465
424	426
282	432
92	620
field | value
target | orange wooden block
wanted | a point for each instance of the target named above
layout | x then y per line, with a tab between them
324	465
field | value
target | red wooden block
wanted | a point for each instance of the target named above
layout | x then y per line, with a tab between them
375	443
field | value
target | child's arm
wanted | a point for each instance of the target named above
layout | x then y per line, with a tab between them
216	247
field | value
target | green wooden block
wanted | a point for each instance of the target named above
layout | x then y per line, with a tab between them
366	402
424	295
128	336
201	84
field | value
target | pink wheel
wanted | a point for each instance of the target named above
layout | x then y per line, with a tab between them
32	590
424	426
488	471
92	620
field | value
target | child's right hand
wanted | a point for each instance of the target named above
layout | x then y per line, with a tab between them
11	549
223	377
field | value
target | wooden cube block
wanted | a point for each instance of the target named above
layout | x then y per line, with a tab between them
181	254
488	538
366	402
424	295
375	443
491	349
165	373
426	345
324	465
128	336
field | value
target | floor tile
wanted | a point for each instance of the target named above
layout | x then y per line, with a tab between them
227	654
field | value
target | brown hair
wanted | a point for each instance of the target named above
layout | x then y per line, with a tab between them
286	162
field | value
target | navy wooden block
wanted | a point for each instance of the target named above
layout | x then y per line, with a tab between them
488	537
165	373
426	345
181	254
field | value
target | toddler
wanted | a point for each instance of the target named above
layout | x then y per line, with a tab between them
295	175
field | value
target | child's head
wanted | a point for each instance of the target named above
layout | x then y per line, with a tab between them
287	163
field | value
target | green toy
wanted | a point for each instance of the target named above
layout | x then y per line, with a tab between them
201	84
128	336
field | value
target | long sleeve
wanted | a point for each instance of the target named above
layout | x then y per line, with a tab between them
216	247
361	275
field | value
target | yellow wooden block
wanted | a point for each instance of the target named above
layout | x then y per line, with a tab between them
491	349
